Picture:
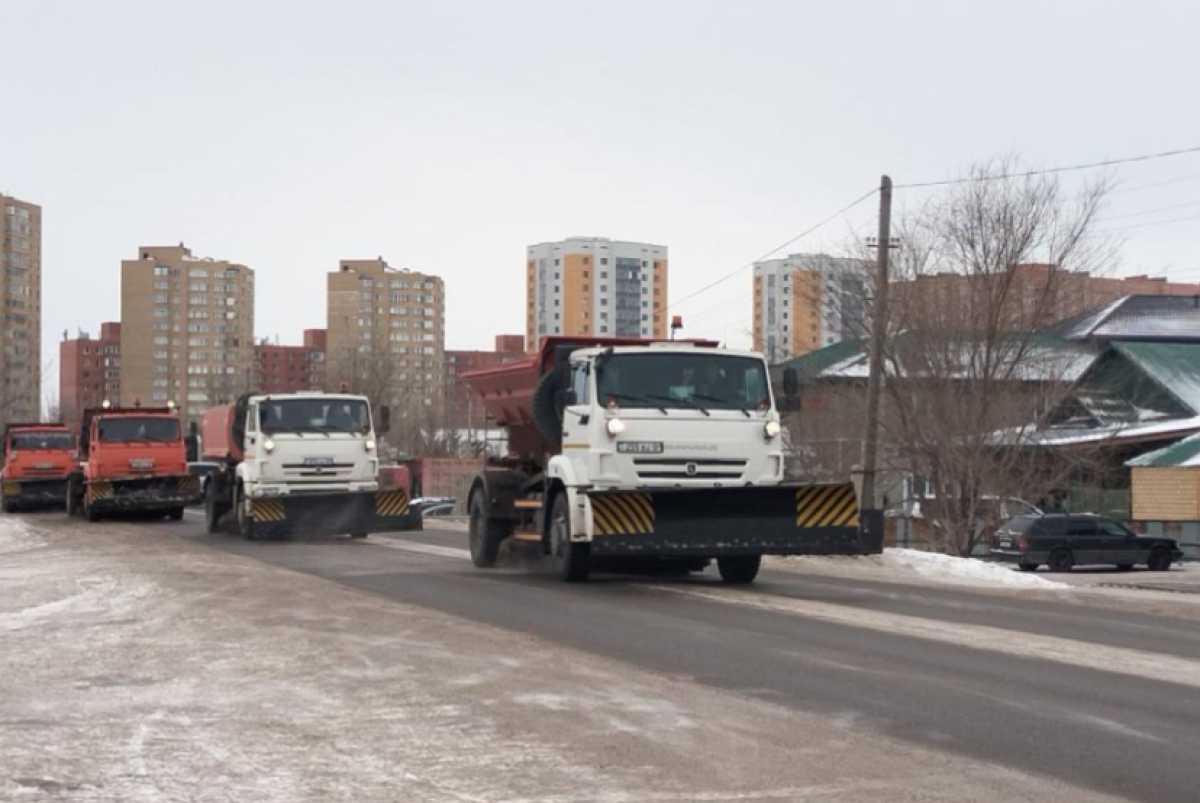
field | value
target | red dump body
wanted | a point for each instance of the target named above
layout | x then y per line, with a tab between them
216	433
507	390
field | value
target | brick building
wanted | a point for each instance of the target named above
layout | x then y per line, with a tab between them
89	371
287	369
462	411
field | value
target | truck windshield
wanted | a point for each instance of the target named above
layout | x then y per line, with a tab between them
132	429
314	415
29	441
707	381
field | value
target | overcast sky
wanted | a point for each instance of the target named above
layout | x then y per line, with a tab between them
448	136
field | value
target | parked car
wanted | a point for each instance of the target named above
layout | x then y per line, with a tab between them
1062	541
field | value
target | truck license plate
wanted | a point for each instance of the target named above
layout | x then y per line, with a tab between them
141	464
318	461
640	447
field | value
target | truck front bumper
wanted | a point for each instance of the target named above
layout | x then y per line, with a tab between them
334	513
715	522
36	493
142	493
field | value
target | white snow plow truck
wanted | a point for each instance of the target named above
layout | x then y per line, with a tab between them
635	450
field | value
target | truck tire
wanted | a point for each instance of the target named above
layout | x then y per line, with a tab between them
245	524
572	560
739	569
485	534
8	505
89	510
74	497
548	402
214	506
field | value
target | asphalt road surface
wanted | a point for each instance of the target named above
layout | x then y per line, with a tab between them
1130	734
991	695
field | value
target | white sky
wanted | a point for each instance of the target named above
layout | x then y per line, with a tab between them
446	136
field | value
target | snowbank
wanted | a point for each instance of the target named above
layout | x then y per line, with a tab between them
964	571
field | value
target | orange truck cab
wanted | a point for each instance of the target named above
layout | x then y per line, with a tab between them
131	459
38	458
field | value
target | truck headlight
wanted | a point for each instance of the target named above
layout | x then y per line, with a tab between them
269	445
615	426
370	445
771	429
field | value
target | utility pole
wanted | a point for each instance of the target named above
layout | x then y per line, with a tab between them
878	332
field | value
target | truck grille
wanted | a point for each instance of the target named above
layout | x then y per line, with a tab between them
326	472
684	468
44	471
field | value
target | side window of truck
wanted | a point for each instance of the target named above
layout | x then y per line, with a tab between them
579	381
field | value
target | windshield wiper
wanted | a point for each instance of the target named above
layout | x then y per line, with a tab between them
635	397
690	402
706	397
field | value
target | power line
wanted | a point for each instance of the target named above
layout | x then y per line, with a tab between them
1151	223
779	247
1146	157
1155	184
1170	208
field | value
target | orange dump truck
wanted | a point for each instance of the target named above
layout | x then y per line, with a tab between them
132	459
38	458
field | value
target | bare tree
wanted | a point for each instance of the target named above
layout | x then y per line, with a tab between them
969	373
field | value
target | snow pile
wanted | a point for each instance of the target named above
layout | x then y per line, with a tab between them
963	571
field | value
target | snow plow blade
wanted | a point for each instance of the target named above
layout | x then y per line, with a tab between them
773	520
334	513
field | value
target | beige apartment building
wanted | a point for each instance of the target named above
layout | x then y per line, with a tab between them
386	334
595	286
187	329
803	302
21	318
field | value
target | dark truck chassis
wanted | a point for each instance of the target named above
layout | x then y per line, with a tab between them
132	494
33	493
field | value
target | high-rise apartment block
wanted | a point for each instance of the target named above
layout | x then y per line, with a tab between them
287	369
804	302
89	372
386	333
595	286
21	315
187	329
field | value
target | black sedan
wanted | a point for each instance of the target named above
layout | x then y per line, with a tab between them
1062	541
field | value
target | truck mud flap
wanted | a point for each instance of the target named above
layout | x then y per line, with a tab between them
334	513
143	493
706	522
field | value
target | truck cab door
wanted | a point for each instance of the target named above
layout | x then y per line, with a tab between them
577	404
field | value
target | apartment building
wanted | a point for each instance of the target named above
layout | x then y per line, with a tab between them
288	369
595	286
187	329
462	409
89	371
803	302
21	316
386	333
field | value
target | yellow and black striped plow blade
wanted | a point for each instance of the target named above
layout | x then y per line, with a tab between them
622	514
827	506
267	510
391	503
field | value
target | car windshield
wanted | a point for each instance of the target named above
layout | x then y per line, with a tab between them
314	415
146	428
706	381
30	441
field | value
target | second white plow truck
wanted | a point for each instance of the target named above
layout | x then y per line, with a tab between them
667	451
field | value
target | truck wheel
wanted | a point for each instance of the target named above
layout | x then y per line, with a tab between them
245	524
572	560
89	510
739	569
485	535
74	497
8	505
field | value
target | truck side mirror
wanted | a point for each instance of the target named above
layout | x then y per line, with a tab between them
385	420
791	382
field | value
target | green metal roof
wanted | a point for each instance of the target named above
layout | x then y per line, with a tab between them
1175	366
810	366
1182	453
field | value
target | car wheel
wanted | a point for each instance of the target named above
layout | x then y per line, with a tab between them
1124	567
1160	560
572	559
1028	567
358	534
1061	560
175	514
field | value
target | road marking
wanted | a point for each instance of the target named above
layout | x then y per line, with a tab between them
1017	643
424	549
